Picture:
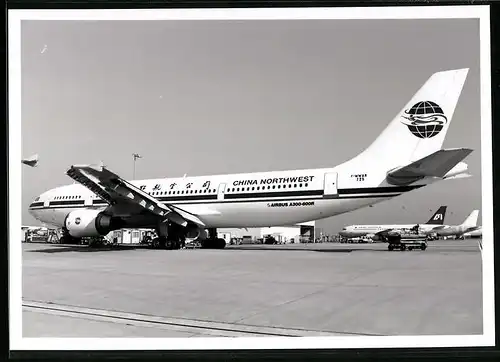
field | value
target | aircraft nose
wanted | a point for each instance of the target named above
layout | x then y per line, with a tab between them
36	204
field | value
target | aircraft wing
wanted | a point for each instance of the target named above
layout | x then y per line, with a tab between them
121	194
439	227
437	164
386	232
383	232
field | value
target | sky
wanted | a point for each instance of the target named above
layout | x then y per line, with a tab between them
216	97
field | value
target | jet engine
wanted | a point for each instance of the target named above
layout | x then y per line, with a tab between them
88	223
196	233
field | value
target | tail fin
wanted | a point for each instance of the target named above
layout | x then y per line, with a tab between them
419	129
471	220
438	217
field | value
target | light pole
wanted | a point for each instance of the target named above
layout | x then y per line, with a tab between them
136	156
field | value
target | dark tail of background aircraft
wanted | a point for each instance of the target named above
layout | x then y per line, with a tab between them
438	217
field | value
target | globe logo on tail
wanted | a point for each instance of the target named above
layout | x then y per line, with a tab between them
425	119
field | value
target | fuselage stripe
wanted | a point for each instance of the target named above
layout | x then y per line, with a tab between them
274	194
352	193
233	201
69	202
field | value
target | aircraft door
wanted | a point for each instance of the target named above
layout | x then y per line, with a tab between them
330	187
220	193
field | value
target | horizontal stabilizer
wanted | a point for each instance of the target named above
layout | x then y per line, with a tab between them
462	175
437	164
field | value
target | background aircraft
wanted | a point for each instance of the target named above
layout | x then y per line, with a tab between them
31	161
375	232
477	233
469	225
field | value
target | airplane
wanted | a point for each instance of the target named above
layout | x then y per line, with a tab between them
469	225
406	156
31	161
375	232
33	228
477	233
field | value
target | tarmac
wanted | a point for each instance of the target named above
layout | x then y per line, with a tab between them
252	290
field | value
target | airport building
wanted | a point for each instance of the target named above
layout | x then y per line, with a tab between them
303	232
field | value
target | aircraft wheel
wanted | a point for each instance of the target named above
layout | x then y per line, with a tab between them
155	243
172	244
221	243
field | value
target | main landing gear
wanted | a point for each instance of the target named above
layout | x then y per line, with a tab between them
213	242
173	237
66	238
170	237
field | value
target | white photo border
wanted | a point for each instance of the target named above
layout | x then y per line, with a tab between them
17	342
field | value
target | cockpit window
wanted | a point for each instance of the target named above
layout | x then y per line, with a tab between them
38	198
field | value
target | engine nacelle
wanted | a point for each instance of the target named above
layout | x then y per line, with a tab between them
88	223
196	233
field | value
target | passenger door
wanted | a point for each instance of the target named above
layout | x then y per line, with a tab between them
220	193
330	187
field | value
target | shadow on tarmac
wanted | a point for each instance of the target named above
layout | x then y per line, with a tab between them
86	249
65	248
277	248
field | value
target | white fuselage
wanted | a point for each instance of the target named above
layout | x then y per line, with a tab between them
475	233
364	230
456	230
260	199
